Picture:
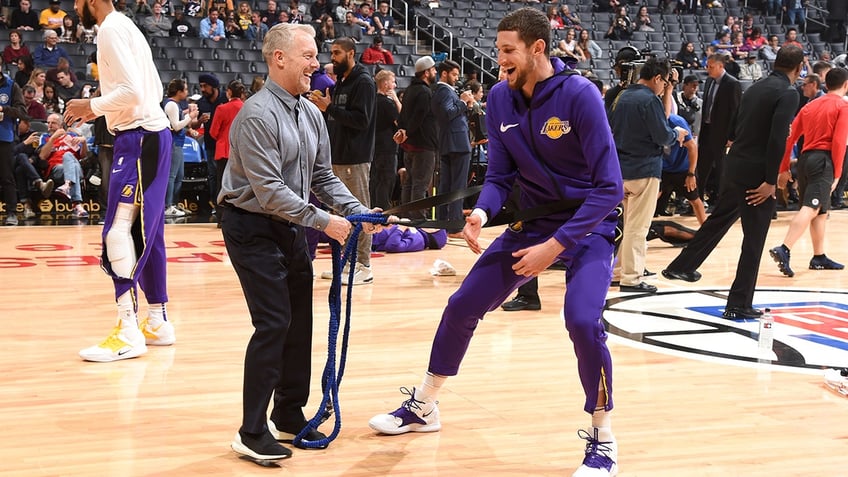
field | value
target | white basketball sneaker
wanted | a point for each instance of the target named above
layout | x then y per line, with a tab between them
161	335
120	344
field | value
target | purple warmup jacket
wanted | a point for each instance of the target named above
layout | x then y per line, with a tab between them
556	162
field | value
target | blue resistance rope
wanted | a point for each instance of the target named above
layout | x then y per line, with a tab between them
331	378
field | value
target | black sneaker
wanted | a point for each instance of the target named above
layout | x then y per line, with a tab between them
259	448
739	312
522	303
287	435
821	262
781	256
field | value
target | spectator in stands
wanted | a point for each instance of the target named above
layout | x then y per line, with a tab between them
728	25
211	98
689	104
142	8
255	85
66	89
450	109
167	8
181	27
88	35
621	27
341	10
350	28
751	70
365	19
48	54
12	108
297	5
640	153
351	125
24	18
326	32
177	92
568	47
158	24
555	18
269	16
51	18
220	129
769	51
384	167
27	177
477	132
687	56
223	6
569	18
709	51
38	79
51	101
61	65
321	81
295	16
25	69
192	8
320	8
755	40
417	134
15	49
795	13
722	41
243	15
257	30
283	17
590	49
643	19
232	29
722	94
384	22
69	30
35	110
376	54
792	38
738	48
605	5
747	25
122	7
212	27
63	151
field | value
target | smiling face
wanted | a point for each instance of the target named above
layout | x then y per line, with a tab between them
515	58
297	63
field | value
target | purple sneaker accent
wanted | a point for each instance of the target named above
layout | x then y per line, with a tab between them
406	416
412	416
600	458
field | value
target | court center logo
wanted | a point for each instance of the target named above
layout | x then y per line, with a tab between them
810	330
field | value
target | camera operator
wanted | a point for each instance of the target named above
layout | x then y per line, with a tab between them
625	56
689	104
639	121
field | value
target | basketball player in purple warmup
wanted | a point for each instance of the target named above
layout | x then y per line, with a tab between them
133	240
551	135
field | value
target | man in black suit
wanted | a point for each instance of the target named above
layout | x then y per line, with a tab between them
722	94
450	109
750	175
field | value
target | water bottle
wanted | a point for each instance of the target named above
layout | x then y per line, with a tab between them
766	339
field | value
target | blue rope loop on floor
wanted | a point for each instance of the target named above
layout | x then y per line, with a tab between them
331	378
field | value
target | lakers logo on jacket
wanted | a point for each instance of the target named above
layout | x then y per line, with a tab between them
555	128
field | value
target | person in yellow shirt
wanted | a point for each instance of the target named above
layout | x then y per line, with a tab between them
51	18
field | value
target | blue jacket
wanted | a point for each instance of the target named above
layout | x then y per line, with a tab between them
677	159
451	117
641	130
44	57
565	128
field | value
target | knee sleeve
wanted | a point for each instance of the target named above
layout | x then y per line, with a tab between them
120	247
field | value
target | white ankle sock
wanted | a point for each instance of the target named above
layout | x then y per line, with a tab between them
156	313
429	389
126	312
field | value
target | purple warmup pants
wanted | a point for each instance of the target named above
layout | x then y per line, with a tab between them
492	280
139	176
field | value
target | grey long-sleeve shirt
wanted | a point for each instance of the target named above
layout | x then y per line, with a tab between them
279	151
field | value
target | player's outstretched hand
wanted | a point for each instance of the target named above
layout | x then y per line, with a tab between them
473	225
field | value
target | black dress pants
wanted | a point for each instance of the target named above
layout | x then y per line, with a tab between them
273	265
755	225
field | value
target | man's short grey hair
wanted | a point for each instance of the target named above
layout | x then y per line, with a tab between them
48	33
281	37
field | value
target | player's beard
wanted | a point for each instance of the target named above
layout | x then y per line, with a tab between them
521	76
341	68
87	18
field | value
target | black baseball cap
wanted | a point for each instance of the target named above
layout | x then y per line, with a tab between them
691	79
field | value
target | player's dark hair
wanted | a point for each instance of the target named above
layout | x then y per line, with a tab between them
530	24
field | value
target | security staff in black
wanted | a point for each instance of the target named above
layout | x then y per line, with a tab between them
748	184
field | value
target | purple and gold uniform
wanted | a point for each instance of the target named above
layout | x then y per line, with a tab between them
556	147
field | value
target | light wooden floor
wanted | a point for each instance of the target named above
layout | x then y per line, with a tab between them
513	410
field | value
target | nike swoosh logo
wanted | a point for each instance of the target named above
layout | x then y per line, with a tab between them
125	351
431	412
507	127
115	171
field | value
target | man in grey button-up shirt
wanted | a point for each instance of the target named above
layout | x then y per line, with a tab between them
279	151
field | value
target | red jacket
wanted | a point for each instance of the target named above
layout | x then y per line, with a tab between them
220	129
374	56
